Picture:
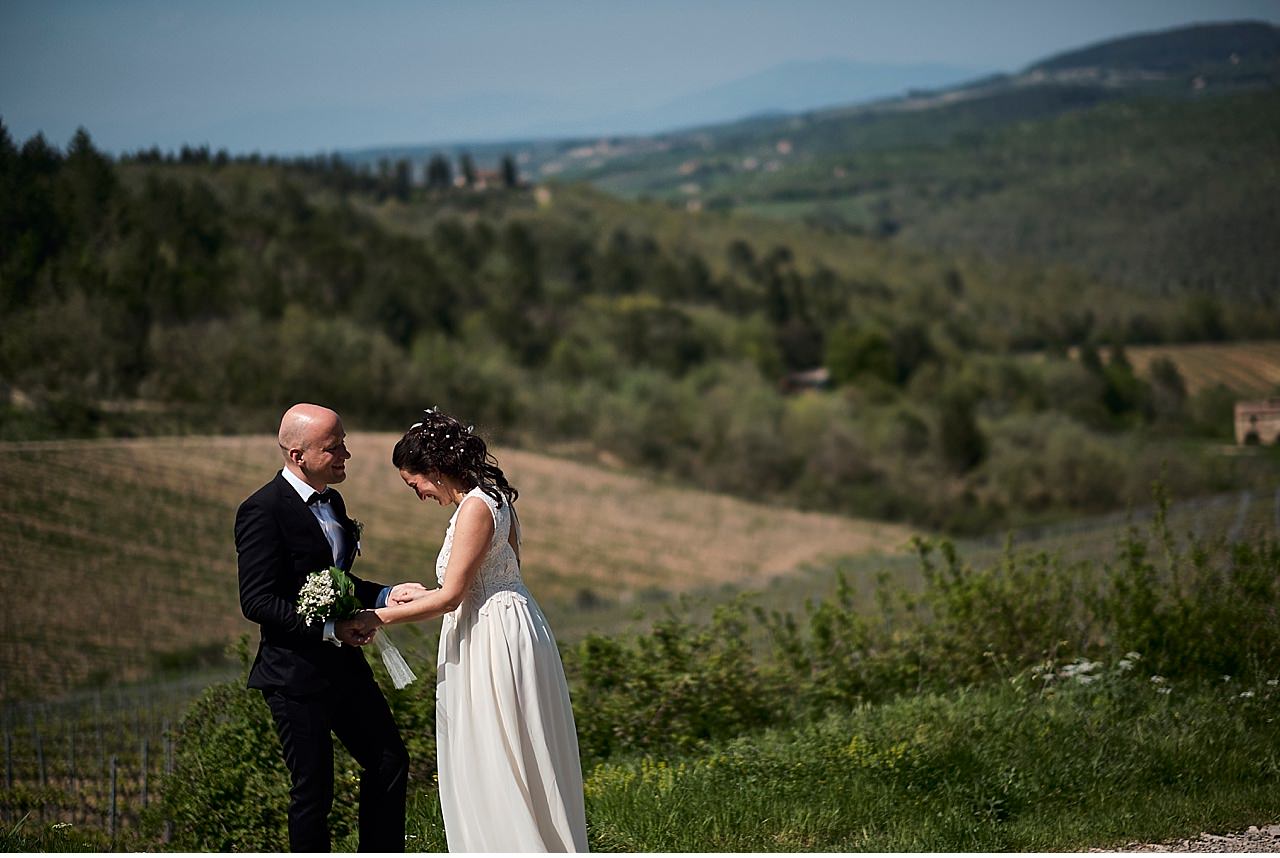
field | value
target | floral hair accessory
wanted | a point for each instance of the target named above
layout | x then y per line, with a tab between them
432	410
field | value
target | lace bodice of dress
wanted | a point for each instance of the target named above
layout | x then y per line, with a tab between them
501	569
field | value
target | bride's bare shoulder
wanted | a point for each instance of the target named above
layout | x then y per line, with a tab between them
474	514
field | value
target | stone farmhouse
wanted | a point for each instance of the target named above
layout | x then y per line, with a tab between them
1258	422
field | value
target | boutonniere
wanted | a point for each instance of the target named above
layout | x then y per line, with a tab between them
359	525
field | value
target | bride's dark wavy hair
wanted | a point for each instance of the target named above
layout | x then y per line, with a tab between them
441	443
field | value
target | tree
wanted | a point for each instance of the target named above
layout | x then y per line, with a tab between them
1202	319
781	293
510	175
468	168
911	348
854	352
38	157
954	283
86	184
8	151
1090	359
1119	358
439	173
402	185
961	442
1168	390
742	259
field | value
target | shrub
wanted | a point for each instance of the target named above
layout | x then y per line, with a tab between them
229	790
669	690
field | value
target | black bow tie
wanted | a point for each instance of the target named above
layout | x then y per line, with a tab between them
320	497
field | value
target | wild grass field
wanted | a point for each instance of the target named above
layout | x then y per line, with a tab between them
120	561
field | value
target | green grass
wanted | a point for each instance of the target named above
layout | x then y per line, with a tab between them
27	835
1012	767
999	769
1006	768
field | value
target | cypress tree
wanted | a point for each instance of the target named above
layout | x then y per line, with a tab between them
510	175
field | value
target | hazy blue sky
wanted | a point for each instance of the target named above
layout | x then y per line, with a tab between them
317	75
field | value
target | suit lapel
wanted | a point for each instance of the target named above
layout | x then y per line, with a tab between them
349	531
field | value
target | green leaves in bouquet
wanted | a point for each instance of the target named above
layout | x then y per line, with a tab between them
346	605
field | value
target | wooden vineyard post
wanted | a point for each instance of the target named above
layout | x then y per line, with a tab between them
40	770
111	819
71	760
144	772
102	752
8	759
168	770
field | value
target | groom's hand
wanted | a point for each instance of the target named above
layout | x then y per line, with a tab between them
353	632
406	592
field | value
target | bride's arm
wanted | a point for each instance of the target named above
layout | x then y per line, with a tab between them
472	534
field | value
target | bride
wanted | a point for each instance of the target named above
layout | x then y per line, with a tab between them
507	750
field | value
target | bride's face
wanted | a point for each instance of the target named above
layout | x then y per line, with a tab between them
427	487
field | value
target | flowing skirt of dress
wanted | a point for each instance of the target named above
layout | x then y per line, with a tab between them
506	747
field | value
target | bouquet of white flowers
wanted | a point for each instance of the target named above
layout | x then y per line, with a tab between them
327	595
330	594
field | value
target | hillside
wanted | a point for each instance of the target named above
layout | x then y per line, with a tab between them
194	294
1154	195
120	563
1186	49
1135	161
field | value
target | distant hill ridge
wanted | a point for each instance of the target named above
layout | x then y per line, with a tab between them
1178	50
1247	52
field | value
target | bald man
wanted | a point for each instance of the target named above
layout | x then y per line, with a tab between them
314	678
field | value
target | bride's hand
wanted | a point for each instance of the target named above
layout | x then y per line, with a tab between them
402	594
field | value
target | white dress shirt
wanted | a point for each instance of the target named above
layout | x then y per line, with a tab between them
329	524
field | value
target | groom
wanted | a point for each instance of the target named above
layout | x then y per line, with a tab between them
315	679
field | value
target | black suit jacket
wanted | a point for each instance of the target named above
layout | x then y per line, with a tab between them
278	544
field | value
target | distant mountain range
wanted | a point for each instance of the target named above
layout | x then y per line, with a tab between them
786	89
781	90
1191	61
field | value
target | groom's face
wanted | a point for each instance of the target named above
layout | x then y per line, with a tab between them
325	458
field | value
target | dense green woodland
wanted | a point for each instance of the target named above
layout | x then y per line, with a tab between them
201	294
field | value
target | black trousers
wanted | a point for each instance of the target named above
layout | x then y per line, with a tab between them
362	721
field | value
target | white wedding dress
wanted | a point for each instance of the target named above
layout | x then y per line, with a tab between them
506	747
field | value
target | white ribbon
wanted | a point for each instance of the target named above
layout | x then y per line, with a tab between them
401	675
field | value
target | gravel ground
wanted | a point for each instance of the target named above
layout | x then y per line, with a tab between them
1264	838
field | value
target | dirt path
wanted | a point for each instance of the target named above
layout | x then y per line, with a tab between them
1264	838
